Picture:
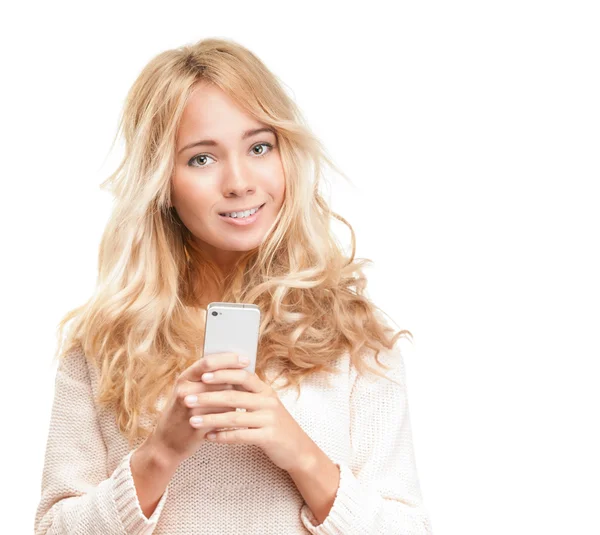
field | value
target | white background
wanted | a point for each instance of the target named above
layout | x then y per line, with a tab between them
470	131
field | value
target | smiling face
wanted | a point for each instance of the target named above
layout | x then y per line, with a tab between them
233	170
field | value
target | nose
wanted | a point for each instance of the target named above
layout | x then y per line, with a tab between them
236	182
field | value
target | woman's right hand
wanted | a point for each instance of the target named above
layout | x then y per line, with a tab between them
174	436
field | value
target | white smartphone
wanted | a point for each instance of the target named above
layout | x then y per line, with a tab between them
232	327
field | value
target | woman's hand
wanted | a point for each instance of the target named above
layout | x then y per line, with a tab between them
174	437
266	422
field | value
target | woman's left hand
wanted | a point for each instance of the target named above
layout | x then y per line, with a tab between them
270	425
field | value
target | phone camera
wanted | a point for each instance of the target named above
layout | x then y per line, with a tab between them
214	313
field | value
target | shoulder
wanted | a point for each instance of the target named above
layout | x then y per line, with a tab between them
387	363
75	365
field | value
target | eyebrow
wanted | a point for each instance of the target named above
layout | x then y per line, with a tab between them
212	142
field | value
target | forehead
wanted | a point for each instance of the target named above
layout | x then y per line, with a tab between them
209	112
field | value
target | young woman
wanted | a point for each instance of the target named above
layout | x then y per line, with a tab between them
217	199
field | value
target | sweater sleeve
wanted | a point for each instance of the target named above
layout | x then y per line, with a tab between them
78	495
379	491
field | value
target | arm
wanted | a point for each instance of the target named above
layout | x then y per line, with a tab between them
78	496
317	479
151	471
379	491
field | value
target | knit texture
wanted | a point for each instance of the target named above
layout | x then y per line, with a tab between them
361	422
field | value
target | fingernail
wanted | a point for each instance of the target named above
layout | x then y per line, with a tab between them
208	376
197	420
191	399
244	360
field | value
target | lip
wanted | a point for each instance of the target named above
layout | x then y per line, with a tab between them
242	222
230	211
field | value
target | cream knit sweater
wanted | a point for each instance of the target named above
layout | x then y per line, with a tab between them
361	422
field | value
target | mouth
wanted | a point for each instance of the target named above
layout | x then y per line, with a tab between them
252	207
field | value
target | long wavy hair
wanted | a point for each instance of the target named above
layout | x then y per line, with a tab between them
142	326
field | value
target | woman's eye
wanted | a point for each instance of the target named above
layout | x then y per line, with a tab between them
203	156
196	158
261	153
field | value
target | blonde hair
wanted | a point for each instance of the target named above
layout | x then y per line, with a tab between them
141	327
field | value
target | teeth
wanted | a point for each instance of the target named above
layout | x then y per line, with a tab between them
242	214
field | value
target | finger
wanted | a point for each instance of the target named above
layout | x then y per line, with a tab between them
210	363
228	420
236	436
229	398
214	410
248	380
194	388
209	388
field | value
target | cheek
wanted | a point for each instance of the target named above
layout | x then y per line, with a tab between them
277	186
190	192
277	183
